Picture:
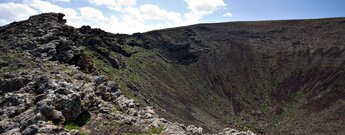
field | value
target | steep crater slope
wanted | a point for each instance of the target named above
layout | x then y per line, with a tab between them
273	77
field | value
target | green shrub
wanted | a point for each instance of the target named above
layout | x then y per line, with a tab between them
83	118
156	130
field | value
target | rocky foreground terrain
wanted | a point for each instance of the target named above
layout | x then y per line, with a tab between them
269	77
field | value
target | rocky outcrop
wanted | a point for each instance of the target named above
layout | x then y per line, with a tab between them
50	100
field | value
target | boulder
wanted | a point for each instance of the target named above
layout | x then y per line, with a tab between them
193	130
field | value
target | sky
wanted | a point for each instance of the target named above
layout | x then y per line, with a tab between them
130	16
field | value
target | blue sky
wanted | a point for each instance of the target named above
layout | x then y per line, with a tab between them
129	16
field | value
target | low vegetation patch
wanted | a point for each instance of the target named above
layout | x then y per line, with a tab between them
78	123
156	130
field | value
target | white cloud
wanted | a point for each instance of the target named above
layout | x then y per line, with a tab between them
126	2
144	18
131	14
136	17
45	6
129	23
14	12
130	17
228	14
114	4
62	0
204	6
199	8
102	2
92	14
153	12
